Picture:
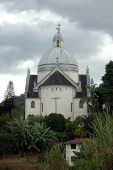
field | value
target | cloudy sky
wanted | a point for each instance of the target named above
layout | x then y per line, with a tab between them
27	28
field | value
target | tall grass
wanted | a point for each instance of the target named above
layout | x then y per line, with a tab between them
97	153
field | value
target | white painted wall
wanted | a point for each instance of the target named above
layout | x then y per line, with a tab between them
32	111
65	96
70	153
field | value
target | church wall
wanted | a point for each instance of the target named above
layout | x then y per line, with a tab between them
73	75
32	111
79	111
57	99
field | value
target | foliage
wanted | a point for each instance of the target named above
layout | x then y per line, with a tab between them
106	88
36	119
92	100
20	102
56	122
29	137
3	122
55	160
97	153
7	143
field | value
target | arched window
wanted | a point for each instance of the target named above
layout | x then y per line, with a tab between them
32	104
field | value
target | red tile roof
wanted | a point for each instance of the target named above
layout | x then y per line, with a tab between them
77	141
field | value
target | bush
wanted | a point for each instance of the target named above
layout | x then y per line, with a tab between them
30	137
56	122
97	154
7	144
55	160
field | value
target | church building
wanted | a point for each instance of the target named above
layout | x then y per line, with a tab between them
58	86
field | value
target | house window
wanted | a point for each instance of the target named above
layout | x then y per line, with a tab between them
42	107
71	107
73	146
32	104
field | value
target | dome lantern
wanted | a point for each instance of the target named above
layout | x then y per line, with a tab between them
58	38
58	56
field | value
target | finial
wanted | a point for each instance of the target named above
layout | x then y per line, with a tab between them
58	28
28	71
87	70
92	81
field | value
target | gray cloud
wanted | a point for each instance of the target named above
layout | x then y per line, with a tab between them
88	22
21	42
89	14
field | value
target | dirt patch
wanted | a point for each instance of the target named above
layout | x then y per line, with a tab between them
16	162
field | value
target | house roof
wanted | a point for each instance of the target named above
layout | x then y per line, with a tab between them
77	141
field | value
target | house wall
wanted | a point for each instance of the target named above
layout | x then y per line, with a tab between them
70	153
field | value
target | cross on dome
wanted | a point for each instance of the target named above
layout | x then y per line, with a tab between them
58	38
58	28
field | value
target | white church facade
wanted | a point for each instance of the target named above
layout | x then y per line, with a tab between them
58	86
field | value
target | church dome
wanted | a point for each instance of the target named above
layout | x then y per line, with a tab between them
58	36
58	56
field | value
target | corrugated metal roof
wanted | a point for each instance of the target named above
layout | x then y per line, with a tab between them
77	141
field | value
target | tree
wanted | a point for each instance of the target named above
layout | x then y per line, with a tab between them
106	88
30	137
10	90
9	97
92	100
56	122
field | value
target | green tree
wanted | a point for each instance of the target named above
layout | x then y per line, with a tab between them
9	98
56	122
30	137
92	100
106	87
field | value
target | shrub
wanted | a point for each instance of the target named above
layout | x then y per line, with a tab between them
55	160
56	122
97	154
